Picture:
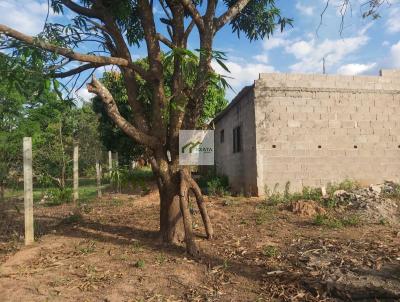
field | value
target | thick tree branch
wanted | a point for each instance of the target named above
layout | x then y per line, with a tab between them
75	70
156	69
102	92
81	10
165	40
231	13
71	54
194	13
188	31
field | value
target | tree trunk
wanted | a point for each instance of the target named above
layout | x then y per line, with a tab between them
62	178
2	190
170	214
174	208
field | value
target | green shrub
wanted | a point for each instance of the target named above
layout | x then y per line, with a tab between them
214	185
275	197
264	213
325	220
59	196
72	219
352	220
394	191
122	177
346	185
140	263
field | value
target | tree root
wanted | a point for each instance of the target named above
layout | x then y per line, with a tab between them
186	184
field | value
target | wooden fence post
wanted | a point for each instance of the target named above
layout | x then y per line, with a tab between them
28	191
98	178
76	173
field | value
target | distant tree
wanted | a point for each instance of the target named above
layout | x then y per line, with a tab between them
54	123
91	147
14	104
61	124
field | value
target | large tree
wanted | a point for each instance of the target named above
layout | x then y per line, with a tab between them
111	28
115	139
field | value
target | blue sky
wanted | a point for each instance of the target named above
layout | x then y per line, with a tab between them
363	47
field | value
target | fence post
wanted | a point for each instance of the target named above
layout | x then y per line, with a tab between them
76	173
28	191
98	178
109	163
116	160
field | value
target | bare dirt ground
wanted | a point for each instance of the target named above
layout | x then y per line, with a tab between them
111	253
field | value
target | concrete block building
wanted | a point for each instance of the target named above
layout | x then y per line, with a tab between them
310	130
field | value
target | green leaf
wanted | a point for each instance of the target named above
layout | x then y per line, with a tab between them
222	65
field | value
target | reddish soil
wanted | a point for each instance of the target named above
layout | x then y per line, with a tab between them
111	253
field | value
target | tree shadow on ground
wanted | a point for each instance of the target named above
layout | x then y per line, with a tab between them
123	235
12	222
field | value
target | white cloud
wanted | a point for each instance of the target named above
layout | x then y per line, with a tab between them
27	16
395	55
84	95
393	22
263	58
241	74
279	40
304	9
300	49
311	53
354	69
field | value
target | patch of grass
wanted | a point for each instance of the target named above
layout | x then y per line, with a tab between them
140	264
264	214
352	220
88	249
117	202
346	185
243	222
160	259
225	264
136	247
325	220
275	197
336	223
383	221
394	193
87	193
270	251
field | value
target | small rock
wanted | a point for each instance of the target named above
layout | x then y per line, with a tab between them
339	193
375	189
323	191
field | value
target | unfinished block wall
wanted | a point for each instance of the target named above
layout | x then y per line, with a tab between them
315	129
240	167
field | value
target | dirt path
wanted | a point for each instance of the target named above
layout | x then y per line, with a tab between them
111	253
